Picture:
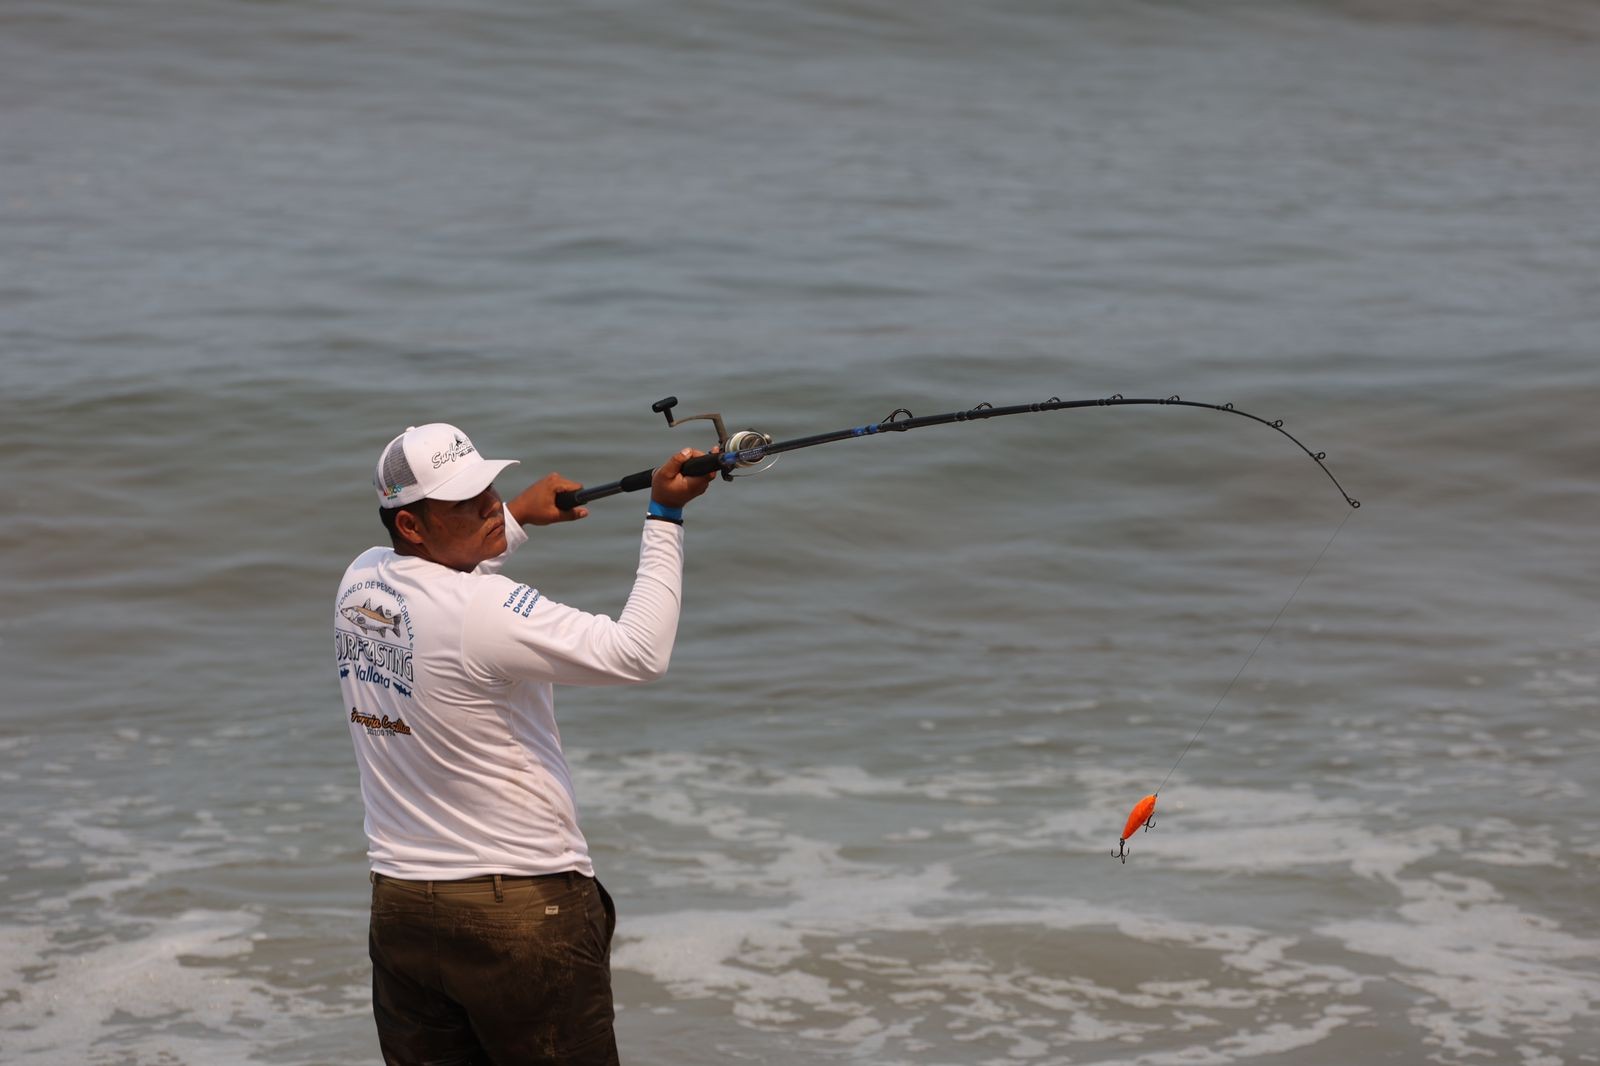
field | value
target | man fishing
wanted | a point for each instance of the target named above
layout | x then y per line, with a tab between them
490	936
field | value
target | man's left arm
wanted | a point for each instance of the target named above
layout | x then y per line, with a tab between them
533	506
536	504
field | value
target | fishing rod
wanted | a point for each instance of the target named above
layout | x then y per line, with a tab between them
749	448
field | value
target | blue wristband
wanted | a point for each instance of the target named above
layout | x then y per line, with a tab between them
661	510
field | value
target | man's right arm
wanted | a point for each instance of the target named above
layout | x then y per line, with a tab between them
513	633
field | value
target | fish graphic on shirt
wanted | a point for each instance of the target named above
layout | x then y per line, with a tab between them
370	619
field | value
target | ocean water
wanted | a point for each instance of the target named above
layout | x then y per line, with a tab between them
868	817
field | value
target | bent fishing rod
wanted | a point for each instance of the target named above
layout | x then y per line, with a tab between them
750	448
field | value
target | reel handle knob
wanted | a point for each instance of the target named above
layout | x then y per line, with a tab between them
664	407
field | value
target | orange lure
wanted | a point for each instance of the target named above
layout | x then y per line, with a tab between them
1143	813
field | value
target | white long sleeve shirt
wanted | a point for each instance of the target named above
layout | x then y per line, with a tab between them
448	679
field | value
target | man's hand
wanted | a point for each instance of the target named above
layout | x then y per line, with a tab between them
536	506
670	488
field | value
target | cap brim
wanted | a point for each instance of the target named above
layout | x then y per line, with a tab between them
471	481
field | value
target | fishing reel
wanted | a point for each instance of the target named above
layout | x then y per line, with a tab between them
732	444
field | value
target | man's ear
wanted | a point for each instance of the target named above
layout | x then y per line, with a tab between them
408	524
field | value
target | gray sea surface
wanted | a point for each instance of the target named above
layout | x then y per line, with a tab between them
921	679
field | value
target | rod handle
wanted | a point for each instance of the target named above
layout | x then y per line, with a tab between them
632	483
699	466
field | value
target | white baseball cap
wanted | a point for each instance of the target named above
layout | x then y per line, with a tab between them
437	462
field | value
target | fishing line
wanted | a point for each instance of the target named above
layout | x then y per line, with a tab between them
1253	651
1144	812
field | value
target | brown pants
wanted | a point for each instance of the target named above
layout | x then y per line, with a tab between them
492	971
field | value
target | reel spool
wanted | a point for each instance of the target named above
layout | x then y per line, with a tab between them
740	440
743	440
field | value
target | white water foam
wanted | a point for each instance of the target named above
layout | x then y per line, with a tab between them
128	999
896	961
90	972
